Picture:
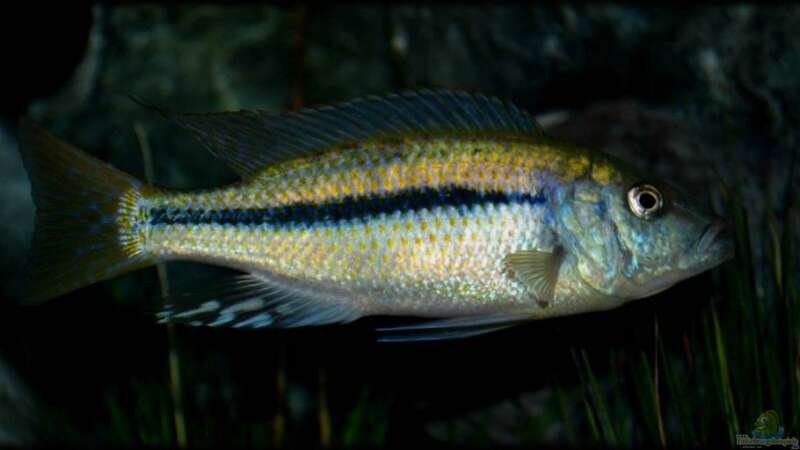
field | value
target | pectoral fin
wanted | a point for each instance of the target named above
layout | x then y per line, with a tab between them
538	270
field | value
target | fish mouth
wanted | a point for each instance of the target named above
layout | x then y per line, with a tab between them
713	246
716	241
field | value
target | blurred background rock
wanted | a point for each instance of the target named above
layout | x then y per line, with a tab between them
703	96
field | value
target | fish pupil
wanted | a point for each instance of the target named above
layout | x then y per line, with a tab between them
647	200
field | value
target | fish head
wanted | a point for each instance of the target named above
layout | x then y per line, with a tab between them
767	422
632	236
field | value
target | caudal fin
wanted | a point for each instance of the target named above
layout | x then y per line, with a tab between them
84	208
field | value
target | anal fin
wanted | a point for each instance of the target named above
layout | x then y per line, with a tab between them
257	300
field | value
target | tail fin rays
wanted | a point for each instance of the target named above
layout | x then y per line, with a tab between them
82	204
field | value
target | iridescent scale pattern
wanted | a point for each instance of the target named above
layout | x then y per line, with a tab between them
407	226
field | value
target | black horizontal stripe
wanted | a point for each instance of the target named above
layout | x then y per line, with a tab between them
344	209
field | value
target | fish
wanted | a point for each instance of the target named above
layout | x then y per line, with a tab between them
451	207
767	426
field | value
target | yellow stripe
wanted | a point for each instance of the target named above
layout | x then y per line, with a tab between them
475	163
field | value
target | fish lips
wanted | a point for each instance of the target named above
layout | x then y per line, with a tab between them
715	243
713	246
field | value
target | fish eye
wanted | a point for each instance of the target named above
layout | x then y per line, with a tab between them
644	200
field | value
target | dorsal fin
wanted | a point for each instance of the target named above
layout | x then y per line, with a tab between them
249	140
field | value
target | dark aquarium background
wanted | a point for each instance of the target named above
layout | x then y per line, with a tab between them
707	97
